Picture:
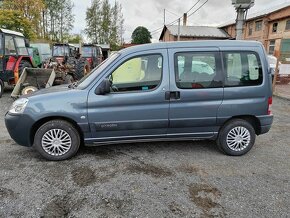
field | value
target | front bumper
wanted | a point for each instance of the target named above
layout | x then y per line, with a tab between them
19	128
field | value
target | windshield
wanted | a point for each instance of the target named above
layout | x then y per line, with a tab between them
87	51
60	50
85	81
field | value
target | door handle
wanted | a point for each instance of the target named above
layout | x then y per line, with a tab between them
172	95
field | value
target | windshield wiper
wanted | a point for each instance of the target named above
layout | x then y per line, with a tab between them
73	85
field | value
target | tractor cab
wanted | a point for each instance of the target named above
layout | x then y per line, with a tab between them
61	51
14	56
93	54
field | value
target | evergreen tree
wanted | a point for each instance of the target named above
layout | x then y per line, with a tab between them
104	23
141	35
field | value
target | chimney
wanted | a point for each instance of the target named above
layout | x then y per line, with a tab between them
184	19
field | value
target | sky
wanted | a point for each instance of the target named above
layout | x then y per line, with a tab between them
149	13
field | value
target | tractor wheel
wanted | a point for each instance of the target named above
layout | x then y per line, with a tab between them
28	90
22	65
82	68
1	88
72	61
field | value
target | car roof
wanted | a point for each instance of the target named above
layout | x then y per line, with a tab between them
189	44
11	32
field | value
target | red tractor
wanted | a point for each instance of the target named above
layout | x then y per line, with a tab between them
93	54
14	57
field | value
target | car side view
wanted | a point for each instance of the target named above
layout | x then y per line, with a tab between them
217	90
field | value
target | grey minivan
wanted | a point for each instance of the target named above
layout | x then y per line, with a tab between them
218	90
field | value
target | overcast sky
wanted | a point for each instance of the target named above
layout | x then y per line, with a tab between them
149	13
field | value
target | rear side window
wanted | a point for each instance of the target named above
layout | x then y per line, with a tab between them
242	69
197	70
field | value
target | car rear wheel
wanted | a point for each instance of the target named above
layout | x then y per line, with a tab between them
236	138
57	140
1	88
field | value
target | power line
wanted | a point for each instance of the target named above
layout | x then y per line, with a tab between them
197	8
170	24
193	6
172	13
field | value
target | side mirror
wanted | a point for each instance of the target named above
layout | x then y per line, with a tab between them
104	87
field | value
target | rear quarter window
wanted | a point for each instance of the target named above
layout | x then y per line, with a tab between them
242	68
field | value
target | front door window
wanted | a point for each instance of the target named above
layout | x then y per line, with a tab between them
138	74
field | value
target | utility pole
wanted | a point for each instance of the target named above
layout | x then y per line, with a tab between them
178	36
240	23
164	18
242	6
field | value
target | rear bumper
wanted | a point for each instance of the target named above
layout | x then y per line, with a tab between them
265	123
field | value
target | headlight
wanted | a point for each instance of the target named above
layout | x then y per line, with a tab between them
18	106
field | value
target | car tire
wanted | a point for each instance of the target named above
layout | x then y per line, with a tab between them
1	88
236	137
57	140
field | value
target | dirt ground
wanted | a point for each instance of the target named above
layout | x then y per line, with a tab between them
160	179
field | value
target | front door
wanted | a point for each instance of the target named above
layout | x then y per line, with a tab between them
136	106
196	92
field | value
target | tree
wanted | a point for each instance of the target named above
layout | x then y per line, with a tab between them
57	19
104	23
73	38
93	21
14	20
141	35
30	9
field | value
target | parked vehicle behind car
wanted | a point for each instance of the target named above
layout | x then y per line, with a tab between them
93	54
14	57
218	90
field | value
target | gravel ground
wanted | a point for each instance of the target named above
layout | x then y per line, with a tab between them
167	179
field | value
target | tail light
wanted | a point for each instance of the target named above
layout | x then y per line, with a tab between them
270	101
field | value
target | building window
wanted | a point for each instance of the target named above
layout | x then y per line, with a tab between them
271	47
275	27
287	25
258	25
250	29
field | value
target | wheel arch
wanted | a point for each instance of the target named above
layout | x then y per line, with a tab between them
40	122
254	121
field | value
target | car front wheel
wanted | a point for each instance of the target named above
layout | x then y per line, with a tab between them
236	138
57	140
